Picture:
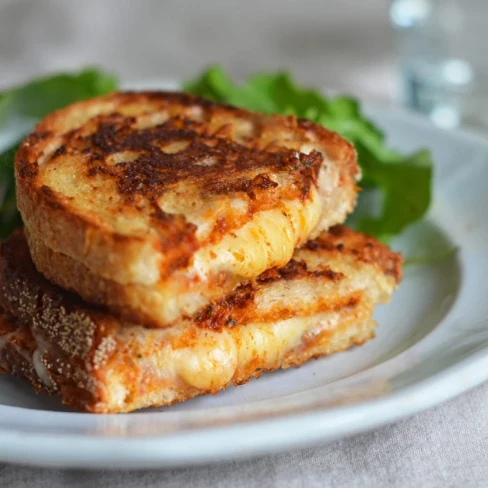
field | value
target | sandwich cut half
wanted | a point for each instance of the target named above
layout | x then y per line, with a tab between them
154	204
321	302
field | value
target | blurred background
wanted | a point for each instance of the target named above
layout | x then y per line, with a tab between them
346	45
426	53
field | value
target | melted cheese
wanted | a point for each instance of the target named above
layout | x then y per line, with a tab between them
212	359
268	240
209	364
40	368
35	360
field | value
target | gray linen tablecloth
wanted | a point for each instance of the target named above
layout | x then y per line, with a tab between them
443	447
346	45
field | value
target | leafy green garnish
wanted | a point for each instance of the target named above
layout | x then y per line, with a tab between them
44	95
31	102
9	215
406	187
405	181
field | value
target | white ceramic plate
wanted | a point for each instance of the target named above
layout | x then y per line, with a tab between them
432	344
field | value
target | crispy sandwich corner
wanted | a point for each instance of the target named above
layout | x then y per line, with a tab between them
321	302
173	247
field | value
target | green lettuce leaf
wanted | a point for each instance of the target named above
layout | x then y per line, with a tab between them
9	215
41	96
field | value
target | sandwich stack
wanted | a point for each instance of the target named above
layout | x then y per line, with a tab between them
173	247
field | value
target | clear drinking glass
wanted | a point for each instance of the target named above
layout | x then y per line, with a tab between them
443	49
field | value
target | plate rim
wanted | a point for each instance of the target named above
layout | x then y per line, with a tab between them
304	429
172	450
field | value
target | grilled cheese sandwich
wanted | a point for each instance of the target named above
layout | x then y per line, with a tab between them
321	302
174	199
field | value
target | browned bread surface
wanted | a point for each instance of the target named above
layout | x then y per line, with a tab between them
320	303
169	193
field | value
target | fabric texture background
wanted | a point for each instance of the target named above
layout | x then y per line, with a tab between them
345	45
443	447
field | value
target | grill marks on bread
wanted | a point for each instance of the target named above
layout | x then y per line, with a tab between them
166	194
214	148
182	150
319	303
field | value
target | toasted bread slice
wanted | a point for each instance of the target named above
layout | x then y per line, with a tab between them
319	303
177	195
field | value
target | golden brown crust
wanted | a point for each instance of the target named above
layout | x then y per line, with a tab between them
96	363
136	302
78	390
133	185
361	246
237	168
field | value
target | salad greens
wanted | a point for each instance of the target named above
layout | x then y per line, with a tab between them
9	216
404	181
44	95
